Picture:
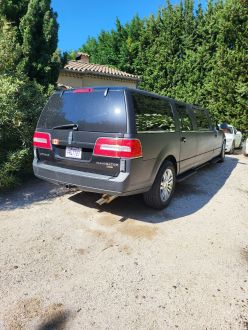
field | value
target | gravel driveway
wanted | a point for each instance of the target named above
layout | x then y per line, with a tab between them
66	263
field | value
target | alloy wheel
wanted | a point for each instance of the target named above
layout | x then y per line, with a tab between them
166	185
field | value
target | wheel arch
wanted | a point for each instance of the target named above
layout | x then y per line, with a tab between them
153	196
170	158
173	160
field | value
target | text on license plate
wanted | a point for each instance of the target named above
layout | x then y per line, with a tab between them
73	152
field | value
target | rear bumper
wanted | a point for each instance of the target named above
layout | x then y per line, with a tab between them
85	181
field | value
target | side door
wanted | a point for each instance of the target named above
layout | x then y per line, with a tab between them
217	136
188	137
156	129
206	136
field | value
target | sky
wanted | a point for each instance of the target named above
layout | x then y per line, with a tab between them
79	19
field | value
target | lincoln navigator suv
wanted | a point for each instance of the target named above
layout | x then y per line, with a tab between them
119	141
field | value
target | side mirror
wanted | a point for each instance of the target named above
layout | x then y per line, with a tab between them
217	127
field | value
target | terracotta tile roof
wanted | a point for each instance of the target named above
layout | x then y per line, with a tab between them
89	68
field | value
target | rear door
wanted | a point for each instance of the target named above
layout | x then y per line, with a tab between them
156	129
206	135
188	137
75	119
217	136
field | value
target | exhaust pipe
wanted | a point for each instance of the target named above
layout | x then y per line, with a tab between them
106	199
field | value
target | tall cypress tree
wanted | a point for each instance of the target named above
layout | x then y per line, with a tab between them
37	32
13	10
21	101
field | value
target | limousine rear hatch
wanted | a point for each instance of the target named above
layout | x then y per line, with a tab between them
83	129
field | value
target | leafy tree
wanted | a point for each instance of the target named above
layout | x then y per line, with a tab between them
119	47
39	31
195	55
37	34
13	10
227	83
10	50
21	101
29	64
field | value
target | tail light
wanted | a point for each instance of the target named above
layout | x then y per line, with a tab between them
42	140
118	148
83	90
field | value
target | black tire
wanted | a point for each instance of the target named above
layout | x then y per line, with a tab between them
223	152
153	197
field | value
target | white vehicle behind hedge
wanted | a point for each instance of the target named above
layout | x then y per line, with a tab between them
233	137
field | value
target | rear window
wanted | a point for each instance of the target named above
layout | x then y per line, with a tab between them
90	111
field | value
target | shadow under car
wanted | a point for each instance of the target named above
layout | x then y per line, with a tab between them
189	197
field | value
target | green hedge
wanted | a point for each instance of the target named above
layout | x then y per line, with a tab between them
21	101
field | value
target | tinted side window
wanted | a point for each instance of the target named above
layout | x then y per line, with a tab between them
202	121
184	118
212	121
152	114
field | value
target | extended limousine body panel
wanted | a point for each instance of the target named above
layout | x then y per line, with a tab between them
122	141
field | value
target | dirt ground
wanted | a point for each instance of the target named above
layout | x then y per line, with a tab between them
66	263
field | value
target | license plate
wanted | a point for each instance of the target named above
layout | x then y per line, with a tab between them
72	152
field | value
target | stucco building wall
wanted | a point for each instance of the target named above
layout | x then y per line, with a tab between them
74	80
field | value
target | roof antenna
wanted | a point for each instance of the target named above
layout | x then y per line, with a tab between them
106	92
62	92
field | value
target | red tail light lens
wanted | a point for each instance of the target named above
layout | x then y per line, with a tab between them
83	90
118	148
42	140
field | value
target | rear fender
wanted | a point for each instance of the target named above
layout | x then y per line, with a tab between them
163	156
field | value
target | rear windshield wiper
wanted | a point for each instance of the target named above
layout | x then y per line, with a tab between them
67	126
